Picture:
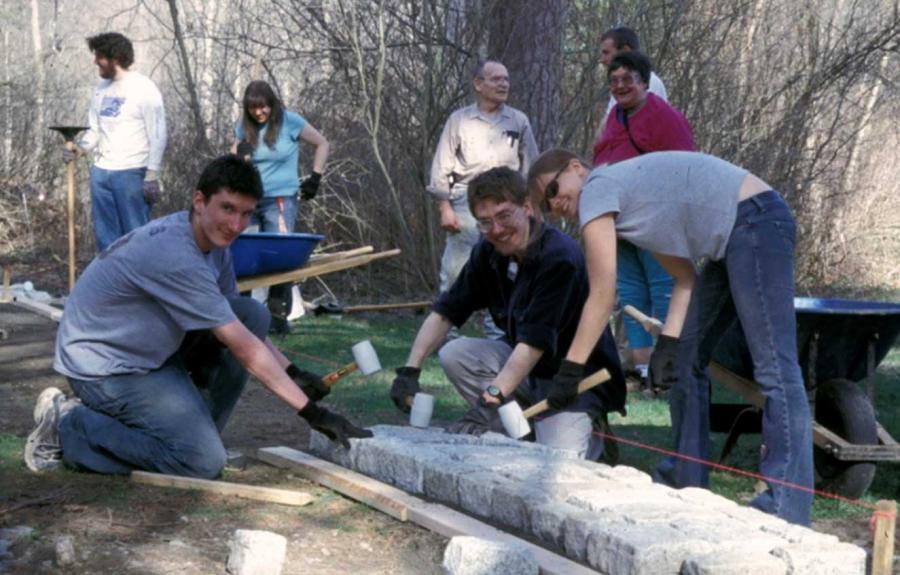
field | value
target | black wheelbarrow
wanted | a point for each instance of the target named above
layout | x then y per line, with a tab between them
840	344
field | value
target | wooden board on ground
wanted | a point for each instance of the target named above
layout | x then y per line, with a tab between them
432	516
312	270
268	494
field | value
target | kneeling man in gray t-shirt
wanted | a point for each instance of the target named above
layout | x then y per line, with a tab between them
157	344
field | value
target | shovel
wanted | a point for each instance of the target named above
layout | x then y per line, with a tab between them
515	421
69	133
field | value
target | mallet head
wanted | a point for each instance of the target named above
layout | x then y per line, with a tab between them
365	357
514	421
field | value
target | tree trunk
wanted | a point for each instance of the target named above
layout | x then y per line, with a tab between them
40	73
527	37
190	84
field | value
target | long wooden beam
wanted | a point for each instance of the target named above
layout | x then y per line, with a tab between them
312	270
401	505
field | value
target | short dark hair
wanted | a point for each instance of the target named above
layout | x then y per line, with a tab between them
634	61
232	172
622	37
478	71
114	46
497	185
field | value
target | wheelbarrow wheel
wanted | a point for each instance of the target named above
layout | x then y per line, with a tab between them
842	407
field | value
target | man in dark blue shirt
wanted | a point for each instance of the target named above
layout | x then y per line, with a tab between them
532	280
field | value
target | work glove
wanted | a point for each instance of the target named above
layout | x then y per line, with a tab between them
564	388
152	190
333	426
309	383
309	186
406	385
245	150
478	420
70	154
664	363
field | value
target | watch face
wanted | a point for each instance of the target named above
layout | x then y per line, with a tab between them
494	391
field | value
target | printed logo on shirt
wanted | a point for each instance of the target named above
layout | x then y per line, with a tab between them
111	106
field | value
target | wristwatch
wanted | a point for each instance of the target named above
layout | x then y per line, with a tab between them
494	392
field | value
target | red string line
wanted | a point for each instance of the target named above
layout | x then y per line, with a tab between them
736	471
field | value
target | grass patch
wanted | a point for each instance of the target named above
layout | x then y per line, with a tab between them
323	344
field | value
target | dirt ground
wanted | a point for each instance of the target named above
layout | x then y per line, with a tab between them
120	527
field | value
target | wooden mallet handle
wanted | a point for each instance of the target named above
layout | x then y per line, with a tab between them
585	384
650	324
337	374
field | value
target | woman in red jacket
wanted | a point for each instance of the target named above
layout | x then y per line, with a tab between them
641	122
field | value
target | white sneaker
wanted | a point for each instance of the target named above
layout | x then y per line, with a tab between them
42	449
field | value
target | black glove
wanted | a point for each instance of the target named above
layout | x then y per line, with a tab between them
479	420
309	186
332	425
664	363
245	150
309	383
406	385
564	388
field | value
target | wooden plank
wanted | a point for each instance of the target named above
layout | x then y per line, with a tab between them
39	308
388	499
746	388
883	544
293	276
268	494
5	295
324	258
384	498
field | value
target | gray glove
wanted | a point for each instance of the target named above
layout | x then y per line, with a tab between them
69	156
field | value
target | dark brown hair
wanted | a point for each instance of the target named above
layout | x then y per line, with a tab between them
259	93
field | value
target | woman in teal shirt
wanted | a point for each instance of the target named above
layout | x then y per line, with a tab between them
271	136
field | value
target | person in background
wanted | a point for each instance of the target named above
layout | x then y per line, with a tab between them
270	135
127	133
476	138
641	122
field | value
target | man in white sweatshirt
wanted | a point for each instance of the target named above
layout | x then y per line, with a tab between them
128	137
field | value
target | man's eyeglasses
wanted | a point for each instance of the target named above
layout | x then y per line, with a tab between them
552	188
504	219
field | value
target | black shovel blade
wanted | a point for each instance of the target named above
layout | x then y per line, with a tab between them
69	132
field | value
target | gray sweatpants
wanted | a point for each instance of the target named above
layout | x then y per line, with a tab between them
471	364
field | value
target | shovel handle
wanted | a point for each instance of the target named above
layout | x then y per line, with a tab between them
585	384
332	377
650	324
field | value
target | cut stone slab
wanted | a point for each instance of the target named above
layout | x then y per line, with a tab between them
256	553
475	556
65	550
613	518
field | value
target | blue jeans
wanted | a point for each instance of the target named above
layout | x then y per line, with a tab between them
754	283
160	421
277	215
644	284
117	203
458	248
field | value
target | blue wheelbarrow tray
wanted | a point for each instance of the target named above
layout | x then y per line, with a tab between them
267	252
839	343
